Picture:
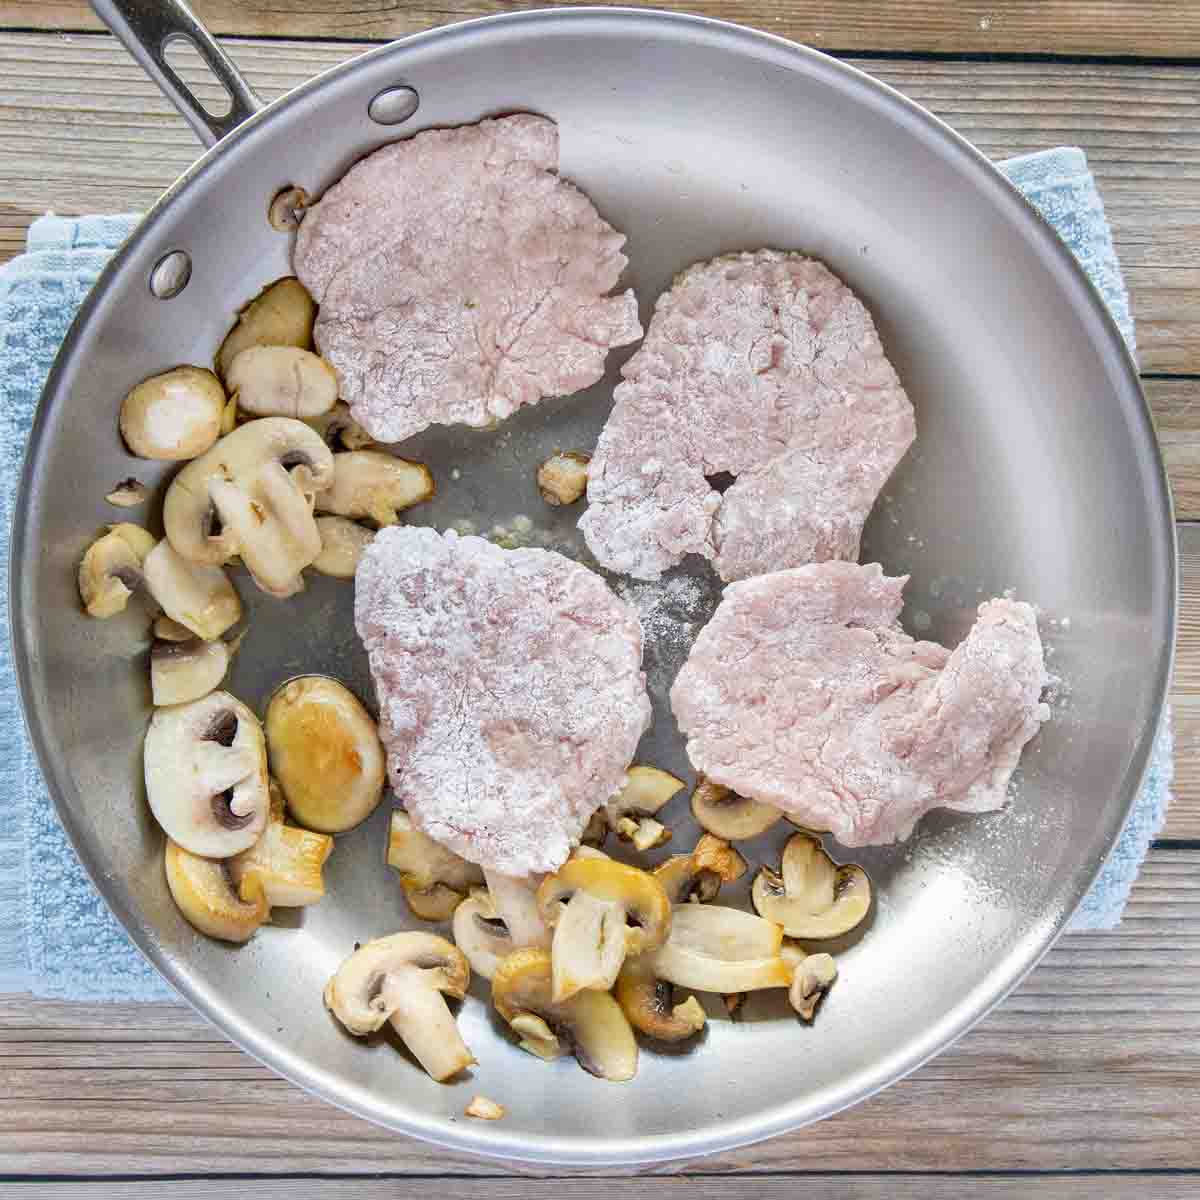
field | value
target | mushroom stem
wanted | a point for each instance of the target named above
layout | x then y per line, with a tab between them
424	1022
516	905
588	947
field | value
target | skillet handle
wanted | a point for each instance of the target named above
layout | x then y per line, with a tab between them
147	27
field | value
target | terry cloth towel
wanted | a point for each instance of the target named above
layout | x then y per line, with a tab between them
57	938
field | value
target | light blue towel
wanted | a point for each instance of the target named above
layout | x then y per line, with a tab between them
57	938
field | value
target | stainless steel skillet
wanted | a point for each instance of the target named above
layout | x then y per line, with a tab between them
1035	469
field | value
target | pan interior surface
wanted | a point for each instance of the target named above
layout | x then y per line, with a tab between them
1035	470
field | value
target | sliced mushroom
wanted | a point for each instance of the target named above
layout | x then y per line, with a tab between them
206	775
563	477
699	875
238	459
270	520
812	897
199	597
372	484
727	815
814	977
590	1024
204	893
480	934
403	979
112	568
631	812
649	1003
287	209
596	832
170	631
483	1109
183	671
592	933
229	417
282	314
342	546
282	381
325	752
340	431
435	880
129	493
516	905
173	416
285	863
717	949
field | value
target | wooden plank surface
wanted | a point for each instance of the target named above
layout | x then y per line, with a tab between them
1156	28
82	129
1094	1061
827	1187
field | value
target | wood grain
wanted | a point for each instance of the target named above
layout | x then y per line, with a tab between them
1095	1061
83	130
757	1187
1164	28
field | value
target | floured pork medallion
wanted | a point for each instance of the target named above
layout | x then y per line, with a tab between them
755	426
510	689
460	278
804	692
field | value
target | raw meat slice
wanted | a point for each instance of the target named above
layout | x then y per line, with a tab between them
459	278
764	366
804	692
511	695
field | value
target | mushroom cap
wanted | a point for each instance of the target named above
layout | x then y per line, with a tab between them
111	569
480	934
434	879
356	994
205	895
342	544
340	431
700	874
282	381
206	775
812	897
199	597
814	976
173	416
646	790
638	893
725	814
649	1004
238	458
184	671
282	314
592	1023
286	862
376	485
325	752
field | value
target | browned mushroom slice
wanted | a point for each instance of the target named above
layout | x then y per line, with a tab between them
590	1024
717	949
727	815
649	1003
562	478
814	976
435	880
205	894
699	875
631	812
812	897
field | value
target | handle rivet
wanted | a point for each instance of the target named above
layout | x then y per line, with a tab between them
393	105
171	274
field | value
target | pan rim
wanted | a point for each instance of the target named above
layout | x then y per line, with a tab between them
1003	975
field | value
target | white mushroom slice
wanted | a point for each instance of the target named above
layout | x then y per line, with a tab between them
282	381
591	1023
129	493
434	879
342	546
173	416
325	752
483	1109
183	671
480	934
282	314
167	630
206	775
727	815
199	597
403	979
715	949
814	977
205	895
270	520
340	431
238	460
630	813
372	484
516	905
591	934
563	477
812	897
112	568
285	863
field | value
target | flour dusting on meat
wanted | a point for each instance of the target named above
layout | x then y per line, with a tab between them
510	691
761	366
804	692
460	278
